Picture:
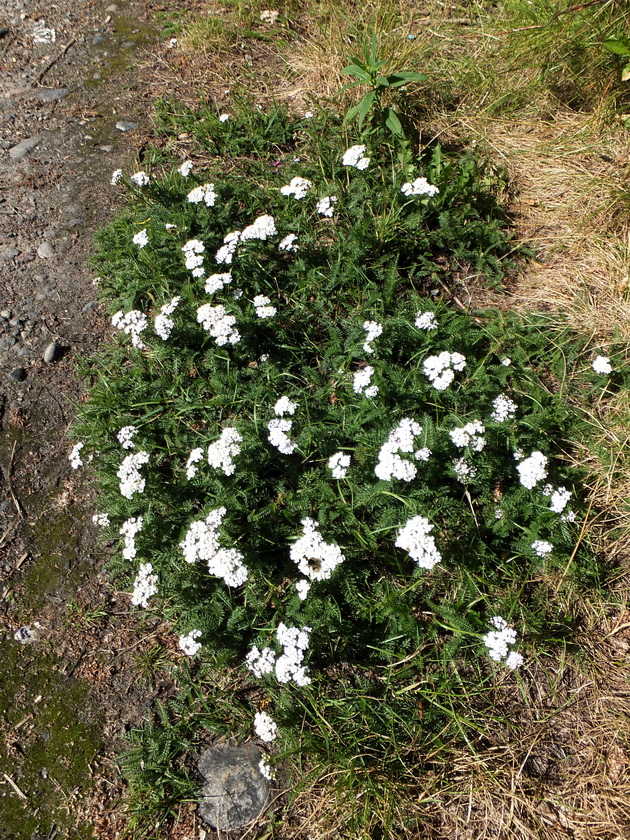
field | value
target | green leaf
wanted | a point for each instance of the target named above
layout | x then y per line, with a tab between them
382	81
393	123
620	46
404	77
357	72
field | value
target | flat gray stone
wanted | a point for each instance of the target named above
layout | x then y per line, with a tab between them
18	374
45	250
52	352
52	94
22	148
8	253
235	792
123	125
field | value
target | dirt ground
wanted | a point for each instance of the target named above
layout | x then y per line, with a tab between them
74	675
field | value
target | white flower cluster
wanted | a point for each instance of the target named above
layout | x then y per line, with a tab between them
75	456
193	254
265	726
601	364
117	175
315	558
202	543
401	439
440	369
263	765
532	470
279	428
469	435
218	323
503	408
128	530
144	586
559	499
284	406
542	548
188	642
225	254
414	538
204	193
373	330
141	238
325	206
261	228
186	168
355	156
131	481
132	323
426	320
224	117
297	188
506	361
361	382
125	436
217	281
141	179
338	464
294	645
498	640
222	451
195	456
463	470
288	243
261	305
302	588
101	519
419	187
260	662
163	324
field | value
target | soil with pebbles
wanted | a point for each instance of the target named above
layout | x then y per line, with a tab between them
71	683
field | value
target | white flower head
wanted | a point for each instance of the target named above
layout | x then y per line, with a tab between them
355	156
205	193
470	435
506	361
415	538
195	456
188	642
125	436
163	325
101	519
289	667
315	558
144	586
261	305
141	179
224	117
266	769
265	727
303	587
532	470
75	456
440	369
284	406
222	452
373	330
128	530
132	323
464	471
298	187
559	499
542	548
260	662
325	206
186	168
226	252
419	187
117	175
288	243
202	543
339	464
503	408
218	323
131	480
401	439
261	228
498	643
426	320
601	364
278	435
361	382
141	239
217	281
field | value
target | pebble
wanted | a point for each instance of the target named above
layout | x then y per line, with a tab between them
7	341
8	253
18	374
111	9
52	352
25	635
126	44
45	250
98	39
106	148
52	94
6	314
123	125
22	148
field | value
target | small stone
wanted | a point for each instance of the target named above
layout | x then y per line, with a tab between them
52	352
89	307
111	9
7	342
18	374
235	791
98	39
106	148
52	94
126	44
96	77
20	150
45	250
8	253
6	314
123	125
25	635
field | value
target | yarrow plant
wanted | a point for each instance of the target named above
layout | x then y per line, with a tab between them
334	477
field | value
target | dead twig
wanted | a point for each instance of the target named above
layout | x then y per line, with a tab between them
52	63
19	792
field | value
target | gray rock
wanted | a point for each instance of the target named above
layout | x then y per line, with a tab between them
6	314
7	341
25	635
235	792
126	45
18	374
8	253
98	39
52	352
45	250
123	125
111	9
52	94
20	150
107	148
